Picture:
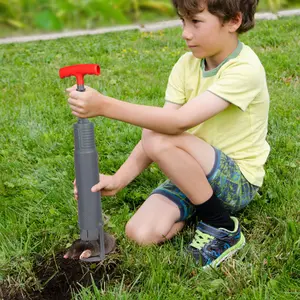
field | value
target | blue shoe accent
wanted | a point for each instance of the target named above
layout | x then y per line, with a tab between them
211	245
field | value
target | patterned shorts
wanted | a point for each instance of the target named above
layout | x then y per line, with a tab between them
227	182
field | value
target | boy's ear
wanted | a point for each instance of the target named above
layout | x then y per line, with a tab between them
235	23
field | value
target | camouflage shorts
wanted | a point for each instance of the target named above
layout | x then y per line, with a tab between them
227	182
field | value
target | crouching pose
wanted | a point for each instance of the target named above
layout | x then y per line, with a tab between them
209	139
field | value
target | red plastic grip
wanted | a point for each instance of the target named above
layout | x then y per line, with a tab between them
79	71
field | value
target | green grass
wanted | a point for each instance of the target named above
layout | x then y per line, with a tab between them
37	210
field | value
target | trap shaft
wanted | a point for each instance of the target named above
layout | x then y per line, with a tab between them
90	218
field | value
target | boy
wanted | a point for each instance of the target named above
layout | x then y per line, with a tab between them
209	139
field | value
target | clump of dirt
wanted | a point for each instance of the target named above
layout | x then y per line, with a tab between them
60	277
7	292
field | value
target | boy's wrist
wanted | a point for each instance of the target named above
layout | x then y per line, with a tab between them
105	103
120	181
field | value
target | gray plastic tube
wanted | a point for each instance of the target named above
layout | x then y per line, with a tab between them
87	175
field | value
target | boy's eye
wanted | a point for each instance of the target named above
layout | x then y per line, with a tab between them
196	21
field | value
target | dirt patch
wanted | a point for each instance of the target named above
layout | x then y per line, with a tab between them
60	277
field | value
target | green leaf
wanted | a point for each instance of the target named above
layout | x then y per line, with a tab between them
273	283
9	184
107	10
47	20
161	7
15	23
215	284
68	245
52	211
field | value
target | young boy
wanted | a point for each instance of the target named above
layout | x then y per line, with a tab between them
209	139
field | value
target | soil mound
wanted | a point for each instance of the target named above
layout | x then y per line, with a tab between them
60	277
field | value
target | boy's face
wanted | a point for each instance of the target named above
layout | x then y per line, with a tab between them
204	34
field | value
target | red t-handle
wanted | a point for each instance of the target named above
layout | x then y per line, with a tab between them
79	71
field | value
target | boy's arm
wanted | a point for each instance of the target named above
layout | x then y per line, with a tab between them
92	103
133	166
194	112
137	161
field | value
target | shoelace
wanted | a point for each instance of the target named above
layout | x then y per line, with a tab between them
201	239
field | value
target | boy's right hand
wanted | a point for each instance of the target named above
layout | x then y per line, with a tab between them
108	185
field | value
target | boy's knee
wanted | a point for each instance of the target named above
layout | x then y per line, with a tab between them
143	235
154	143
138	234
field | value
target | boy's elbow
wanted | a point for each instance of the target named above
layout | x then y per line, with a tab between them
176	131
181	126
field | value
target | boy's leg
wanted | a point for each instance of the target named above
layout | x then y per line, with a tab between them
187	160
155	221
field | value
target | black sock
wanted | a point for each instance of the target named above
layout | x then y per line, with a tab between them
213	213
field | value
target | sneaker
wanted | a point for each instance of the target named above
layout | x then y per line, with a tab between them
211	245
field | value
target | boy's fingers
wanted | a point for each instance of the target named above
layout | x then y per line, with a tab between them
73	102
75	94
75	190
72	88
76	109
97	187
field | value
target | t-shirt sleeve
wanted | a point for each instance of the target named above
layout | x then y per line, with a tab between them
175	91
238	84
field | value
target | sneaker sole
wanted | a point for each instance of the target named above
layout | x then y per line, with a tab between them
228	253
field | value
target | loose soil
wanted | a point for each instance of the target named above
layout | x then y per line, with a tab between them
60	277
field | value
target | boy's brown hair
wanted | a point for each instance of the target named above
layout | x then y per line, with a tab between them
224	9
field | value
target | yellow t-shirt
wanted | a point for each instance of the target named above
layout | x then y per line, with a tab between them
240	130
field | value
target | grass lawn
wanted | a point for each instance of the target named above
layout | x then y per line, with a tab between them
38	216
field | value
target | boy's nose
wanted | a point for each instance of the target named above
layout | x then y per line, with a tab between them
186	34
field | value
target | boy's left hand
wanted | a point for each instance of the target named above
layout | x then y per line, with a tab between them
85	104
